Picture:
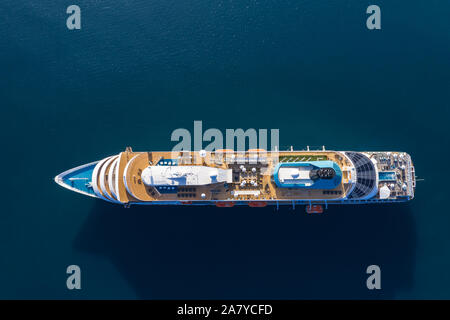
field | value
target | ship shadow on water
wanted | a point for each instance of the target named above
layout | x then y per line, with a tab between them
207	252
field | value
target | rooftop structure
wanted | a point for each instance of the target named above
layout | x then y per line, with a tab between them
315	175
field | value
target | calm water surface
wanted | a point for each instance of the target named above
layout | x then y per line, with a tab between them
137	70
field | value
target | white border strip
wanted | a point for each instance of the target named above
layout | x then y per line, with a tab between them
111	173
94	179
102	179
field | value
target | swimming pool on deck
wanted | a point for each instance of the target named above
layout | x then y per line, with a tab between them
387	176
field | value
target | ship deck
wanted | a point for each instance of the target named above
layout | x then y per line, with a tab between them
286	176
132	164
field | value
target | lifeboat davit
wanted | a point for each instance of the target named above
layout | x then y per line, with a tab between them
315	208
257	204
224	204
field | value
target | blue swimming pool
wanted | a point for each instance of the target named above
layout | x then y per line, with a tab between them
386	176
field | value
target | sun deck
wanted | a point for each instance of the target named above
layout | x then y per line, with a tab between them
252	176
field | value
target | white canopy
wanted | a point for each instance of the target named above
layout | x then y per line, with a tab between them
184	175
295	175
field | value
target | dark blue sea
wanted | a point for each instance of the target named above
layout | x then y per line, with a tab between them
137	70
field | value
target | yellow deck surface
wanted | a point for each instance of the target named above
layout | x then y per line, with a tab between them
136	162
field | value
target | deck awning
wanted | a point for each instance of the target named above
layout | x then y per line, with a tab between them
184	175
298	175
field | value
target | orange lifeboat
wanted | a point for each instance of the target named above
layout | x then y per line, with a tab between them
315	208
257	204
224	204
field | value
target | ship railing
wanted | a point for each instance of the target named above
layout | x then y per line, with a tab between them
410	178
307	148
343	201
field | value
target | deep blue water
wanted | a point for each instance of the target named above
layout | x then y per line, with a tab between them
137	70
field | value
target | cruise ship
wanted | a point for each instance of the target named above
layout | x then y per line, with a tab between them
255	178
